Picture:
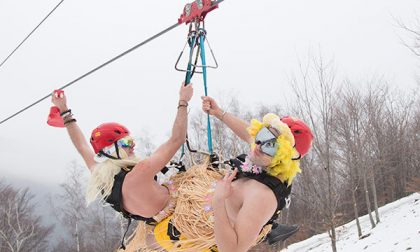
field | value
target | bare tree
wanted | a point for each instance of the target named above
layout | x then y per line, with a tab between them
20	228
315	101
93	228
146	145
70	207
349	137
413	31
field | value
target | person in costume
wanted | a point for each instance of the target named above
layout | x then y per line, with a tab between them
251	196
117	175
234	209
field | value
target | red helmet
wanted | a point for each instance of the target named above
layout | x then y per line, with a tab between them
301	132
106	134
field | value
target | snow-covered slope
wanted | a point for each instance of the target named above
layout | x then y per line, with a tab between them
399	230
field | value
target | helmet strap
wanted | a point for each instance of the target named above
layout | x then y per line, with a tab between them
296	158
117	150
106	155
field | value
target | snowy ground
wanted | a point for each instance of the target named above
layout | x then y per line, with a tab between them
399	230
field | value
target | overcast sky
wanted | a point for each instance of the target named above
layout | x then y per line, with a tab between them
257	44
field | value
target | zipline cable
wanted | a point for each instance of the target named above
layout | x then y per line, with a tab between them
23	41
94	70
103	65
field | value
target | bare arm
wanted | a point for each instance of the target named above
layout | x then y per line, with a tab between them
166	151
82	146
237	125
76	135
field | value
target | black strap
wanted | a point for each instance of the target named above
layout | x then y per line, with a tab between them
117	150
299	157
173	232
115	199
106	155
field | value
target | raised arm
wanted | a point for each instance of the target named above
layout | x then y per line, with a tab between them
76	135
237	125
164	153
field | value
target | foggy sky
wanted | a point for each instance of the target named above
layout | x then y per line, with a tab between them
257	45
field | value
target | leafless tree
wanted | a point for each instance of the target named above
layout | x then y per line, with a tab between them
350	141
20	228
413	31
314	91
93	228
399	111
145	145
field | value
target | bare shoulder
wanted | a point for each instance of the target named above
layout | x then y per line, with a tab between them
141	167
257	192
258	203
136	177
255	186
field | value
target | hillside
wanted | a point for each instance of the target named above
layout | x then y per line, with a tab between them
399	230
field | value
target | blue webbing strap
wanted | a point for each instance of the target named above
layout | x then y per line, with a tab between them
203	63
192	44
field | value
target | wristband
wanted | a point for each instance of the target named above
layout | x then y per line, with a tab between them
182	105
70	121
65	112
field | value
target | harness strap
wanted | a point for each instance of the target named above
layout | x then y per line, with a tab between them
173	232
202	34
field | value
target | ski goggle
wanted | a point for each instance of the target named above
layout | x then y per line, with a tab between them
126	142
267	141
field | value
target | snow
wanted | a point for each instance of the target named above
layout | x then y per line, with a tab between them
399	230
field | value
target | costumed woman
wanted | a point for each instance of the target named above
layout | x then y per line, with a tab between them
234	210
117	175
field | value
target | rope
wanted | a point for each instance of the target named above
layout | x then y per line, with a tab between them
23	41
95	69
103	65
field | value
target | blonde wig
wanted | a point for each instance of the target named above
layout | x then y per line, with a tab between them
283	165
102	178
